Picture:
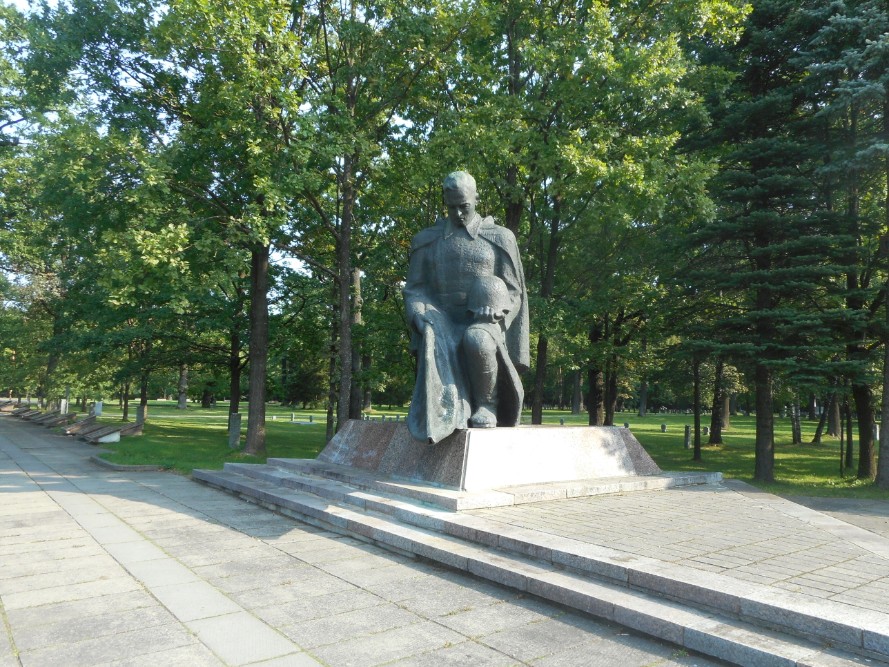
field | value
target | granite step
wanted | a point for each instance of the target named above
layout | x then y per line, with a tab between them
712	614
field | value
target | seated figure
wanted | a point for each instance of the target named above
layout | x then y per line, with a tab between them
468	311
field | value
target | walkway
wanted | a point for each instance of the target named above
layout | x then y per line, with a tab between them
109	568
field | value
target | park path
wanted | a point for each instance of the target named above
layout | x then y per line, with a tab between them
100	567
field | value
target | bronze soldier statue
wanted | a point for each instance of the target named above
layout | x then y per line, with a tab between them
468	311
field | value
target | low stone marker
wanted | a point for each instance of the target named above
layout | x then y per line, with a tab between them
234	430
663	428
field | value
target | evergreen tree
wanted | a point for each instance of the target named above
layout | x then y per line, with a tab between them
770	243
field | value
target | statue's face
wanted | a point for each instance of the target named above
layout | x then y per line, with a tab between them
461	206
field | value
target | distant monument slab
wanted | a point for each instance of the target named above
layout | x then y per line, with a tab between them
484	459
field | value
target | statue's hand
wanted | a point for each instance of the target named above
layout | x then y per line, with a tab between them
429	317
489	314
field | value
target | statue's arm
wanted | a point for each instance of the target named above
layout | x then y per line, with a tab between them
417	301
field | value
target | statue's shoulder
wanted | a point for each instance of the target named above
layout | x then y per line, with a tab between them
426	236
496	234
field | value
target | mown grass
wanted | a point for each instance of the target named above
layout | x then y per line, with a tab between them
197	438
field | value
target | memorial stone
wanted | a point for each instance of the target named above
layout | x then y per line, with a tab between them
234	430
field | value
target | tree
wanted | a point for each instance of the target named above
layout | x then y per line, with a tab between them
771	243
849	87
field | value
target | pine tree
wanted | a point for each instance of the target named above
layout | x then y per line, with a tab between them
768	244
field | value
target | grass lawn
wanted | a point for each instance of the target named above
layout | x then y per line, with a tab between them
197	438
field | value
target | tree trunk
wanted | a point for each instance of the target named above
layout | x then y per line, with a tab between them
847	419
610	391
259	349
864	408
331	383
816	439
285	381
546	291
718	404
344	283
576	393
514	204
795	426
813	408
142	410
834	419
764	466
883	462
356	397
696	405
183	388
125	400
727	412
539	380
596	400
643	399
234	370
367	398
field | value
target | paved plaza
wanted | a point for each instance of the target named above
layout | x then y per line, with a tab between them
736	531
147	568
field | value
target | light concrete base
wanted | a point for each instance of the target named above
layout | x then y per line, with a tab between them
482	459
111	437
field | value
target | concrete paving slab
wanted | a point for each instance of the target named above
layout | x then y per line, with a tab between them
465	654
334	629
195	600
240	638
89	652
388	646
292	660
540	639
79	591
74	628
162	572
486	619
87	572
193	655
66	612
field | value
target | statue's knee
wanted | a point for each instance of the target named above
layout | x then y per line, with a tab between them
479	343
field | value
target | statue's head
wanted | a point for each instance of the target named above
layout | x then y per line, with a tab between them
459	186
460	197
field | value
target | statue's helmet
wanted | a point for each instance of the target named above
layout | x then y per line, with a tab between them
488	291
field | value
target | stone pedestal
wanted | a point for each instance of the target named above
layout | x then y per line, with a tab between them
480	459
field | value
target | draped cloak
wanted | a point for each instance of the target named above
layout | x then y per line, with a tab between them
445	260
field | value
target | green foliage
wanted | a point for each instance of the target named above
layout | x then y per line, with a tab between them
686	180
